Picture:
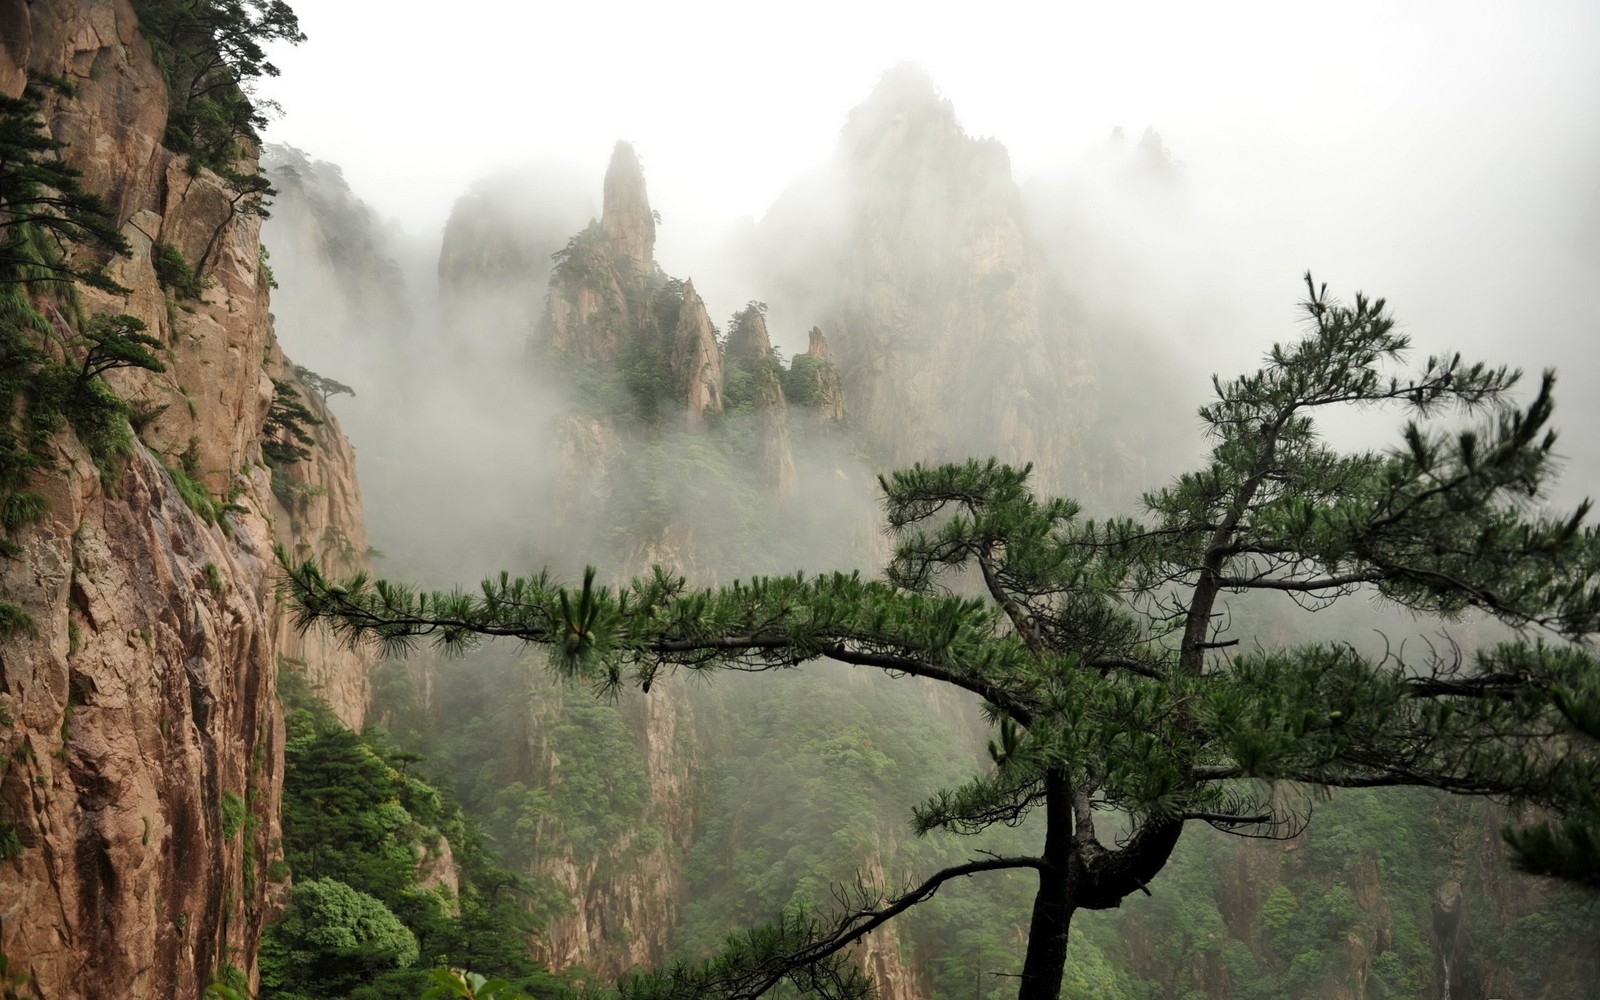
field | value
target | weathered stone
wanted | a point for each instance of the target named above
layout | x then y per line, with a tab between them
823	389
750	349
696	359
142	709
626	217
317	514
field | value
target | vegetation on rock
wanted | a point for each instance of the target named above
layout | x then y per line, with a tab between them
359	830
52	234
211	52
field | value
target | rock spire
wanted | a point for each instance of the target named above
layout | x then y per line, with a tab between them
626	217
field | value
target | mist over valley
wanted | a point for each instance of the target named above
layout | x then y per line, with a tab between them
968	504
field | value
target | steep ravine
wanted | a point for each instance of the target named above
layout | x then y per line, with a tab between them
139	727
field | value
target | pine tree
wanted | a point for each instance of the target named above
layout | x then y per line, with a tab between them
1099	649
44	213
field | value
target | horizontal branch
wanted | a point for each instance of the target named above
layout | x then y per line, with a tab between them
1314	584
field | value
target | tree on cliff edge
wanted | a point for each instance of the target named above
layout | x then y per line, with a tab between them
1099	648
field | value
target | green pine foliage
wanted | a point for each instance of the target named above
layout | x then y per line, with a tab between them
321	385
54	231
54	234
333	939
212	54
173	272
807	380
286	436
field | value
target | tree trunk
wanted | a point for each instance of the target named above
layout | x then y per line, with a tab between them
1046	961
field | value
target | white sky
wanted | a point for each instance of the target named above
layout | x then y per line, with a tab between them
727	101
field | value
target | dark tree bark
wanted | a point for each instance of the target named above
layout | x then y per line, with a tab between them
1046	960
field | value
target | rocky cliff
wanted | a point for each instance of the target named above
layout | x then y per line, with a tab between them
697	360
142	739
624	893
600	288
317	513
750	356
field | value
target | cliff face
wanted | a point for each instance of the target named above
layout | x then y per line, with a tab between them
816	380
696	359
627	220
138	720
142	706
750	354
316	513
625	894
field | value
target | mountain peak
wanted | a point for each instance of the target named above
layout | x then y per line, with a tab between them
905	103
626	216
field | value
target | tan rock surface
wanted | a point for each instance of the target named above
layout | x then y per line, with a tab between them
750	347
145	700
826	388
627	219
696	358
625	895
317	515
142	710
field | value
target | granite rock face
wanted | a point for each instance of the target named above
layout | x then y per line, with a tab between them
627	219
696	359
142	736
596	299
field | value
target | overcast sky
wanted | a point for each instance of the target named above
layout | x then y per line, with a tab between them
1446	154
728	101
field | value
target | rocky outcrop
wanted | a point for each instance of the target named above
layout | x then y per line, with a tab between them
138	720
885	954
587	309
696	359
599	288
814	380
627	219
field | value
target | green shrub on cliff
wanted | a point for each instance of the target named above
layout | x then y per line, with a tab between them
333	938
355	817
